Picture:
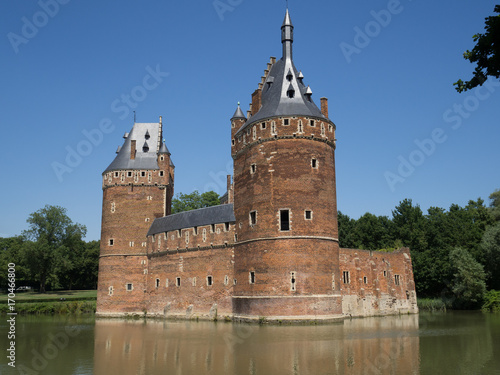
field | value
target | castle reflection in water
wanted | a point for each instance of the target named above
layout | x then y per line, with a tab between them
360	346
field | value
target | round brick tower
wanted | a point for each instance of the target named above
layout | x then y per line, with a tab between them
286	251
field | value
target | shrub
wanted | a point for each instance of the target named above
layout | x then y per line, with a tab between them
492	301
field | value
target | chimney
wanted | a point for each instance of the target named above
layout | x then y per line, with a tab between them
230	193
132	150
324	107
256	101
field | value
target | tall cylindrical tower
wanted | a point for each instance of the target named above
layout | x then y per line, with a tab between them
287	251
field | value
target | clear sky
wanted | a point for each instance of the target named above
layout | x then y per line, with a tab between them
387	67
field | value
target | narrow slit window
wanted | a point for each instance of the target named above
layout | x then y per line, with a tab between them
284	220
194	281
178	281
385	273
252	277
293	282
226	227
347	279
213	228
253	168
333	281
253	217
365	280
226	280
314	163
210	280
396	279
157	283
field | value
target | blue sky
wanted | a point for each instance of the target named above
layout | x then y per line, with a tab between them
67	64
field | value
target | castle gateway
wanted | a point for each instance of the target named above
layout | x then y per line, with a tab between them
270	250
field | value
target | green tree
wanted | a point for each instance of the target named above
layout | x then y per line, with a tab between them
468	286
10	252
50	239
486	54
495	205
409	225
346	231
490	245
195	200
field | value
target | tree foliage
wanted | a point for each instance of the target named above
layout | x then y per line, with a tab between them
468	286
486	54
195	200
50	244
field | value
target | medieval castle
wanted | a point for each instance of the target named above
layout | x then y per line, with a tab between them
270	250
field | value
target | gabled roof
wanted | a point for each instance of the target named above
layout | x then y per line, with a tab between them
196	218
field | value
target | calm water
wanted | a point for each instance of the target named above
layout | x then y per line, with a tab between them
452	343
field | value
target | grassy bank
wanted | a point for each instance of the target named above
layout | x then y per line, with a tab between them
61	302
431	304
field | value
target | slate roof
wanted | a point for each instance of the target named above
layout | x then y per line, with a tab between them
143	134
282	78
196	218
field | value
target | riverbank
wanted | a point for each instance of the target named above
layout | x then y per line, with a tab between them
60	302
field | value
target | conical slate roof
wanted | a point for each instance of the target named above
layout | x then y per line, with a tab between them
284	93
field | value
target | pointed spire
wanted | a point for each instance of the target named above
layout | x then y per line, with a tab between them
238	113
287	36
164	149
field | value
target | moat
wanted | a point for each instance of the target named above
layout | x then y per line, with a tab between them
451	343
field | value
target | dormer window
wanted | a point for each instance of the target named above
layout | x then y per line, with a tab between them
145	147
147	136
290	92
289	75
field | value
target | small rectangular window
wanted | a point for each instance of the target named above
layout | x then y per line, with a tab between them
347	279
253	168
234	281
396	279
263	125
161	173
312	123
209	280
253	217
286	122
111	242
284	220
178	281
157	283
130	287
314	163
116	174
179	233
252	277
143	174
226	280
129	174
212	228
385	273
195	231
226	227
308	214
365	280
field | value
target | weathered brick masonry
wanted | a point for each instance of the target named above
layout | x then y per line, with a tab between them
271	250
